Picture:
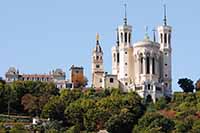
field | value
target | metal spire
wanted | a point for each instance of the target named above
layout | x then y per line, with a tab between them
154	35
97	38
146	33
165	15
125	15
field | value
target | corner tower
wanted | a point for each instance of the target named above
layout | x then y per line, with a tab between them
164	33
122	54
97	65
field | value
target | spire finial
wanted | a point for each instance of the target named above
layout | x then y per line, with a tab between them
125	15
154	34
146	33
97	37
165	15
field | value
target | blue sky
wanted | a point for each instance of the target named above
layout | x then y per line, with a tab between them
37	36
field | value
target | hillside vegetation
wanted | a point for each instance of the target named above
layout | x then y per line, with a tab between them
74	111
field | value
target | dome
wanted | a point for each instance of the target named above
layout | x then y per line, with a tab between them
146	43
58	72
12	70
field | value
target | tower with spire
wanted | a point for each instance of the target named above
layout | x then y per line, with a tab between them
97	65
165	33
121	52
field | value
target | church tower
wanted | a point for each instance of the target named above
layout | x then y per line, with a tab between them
122	53
115	57
97	65
164	33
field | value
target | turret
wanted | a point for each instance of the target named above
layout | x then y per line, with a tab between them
164	33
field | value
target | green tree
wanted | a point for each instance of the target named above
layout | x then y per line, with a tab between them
73	129
55	108
33	104
155	122
122	122
186	84
19	128
94	119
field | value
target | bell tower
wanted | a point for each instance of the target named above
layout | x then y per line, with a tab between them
164	33
97	65
125	52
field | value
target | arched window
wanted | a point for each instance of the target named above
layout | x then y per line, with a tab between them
161	37
111	80
121	37
114	56
129	37
148	65
165	38
149	87
153	65
97	57
125	37
141	65
117	57
169	39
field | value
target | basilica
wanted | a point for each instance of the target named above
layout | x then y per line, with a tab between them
143	66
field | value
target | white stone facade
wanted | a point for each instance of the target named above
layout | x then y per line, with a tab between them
143	66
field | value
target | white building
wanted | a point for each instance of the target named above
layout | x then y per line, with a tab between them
143	66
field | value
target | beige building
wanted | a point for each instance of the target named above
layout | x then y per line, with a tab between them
143	66
101	79
57	76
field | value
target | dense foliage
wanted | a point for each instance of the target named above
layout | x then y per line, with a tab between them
77	110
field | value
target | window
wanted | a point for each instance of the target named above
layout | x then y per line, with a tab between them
141	65
149	87
153	65
126	63
161	38
97	66
126	83
166	84
125	52
126	74
121	37
117	57
169	39
125	37
165	38
77	71
111	80
97	57
100	80
165	53
165	64
166	75
148	65
114	56
129	37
